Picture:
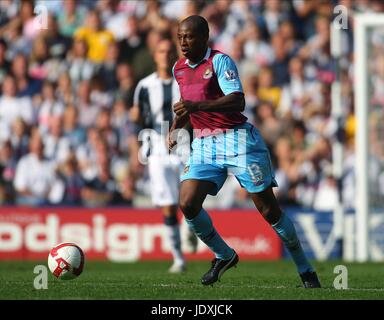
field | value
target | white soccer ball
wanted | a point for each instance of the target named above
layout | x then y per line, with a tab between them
66	261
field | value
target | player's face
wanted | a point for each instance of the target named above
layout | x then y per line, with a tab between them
193	45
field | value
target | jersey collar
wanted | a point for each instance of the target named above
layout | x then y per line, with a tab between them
206	57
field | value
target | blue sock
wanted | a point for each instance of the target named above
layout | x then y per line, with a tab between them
287	233
204	229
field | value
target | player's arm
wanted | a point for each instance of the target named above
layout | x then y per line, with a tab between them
230	103
135	111
178	123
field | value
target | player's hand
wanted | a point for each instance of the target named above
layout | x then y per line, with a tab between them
183	108
171	142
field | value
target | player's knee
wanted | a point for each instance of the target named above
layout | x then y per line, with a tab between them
270	212
189	207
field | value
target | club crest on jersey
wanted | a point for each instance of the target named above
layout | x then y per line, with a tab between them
208	73
230	75
186	169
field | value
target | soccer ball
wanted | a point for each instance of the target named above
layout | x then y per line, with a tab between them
66	261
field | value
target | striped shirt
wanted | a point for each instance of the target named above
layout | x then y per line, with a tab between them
155	98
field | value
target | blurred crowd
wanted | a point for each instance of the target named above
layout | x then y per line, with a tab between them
67	83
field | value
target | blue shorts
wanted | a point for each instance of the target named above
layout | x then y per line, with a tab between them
240	151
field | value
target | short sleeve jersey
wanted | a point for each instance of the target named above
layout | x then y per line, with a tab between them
212	78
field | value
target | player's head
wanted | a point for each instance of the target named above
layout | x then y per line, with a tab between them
165	54
193	35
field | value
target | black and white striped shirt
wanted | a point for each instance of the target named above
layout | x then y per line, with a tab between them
155	98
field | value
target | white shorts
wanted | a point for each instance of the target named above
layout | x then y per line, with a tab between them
164	174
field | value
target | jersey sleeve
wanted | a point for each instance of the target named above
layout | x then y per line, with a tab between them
227	74
136	94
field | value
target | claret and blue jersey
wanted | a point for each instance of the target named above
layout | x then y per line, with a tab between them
213	77
225	142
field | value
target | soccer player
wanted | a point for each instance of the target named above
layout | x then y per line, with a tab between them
212	100
153	100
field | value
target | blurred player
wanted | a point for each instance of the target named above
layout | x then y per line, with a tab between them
213	99
153	100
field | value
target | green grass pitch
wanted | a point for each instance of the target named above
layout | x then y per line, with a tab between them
150	280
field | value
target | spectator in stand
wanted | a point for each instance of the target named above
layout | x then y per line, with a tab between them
19	138
133	42
272	16
71	129
268	124
143	60
8	164
71	18
80	67
239	15
266	91
12	106
377	80
299	92
65	92
107	71
279	66
26	85
286	173
304	13
72	180
103	189
121	121
38	66
57	147
251	99
255	48
288	33
99	95
317	48
8	9
35	180
4	64
49	107
113	17
12	33
86	154
152	15
97	38
58	46
28	20
127	83
107	132
88	110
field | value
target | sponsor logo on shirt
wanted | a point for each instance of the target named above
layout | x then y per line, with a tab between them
230	75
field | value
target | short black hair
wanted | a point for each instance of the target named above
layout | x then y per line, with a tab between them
198	23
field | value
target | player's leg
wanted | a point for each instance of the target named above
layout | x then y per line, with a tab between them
192	195
268	206
254	172
164	178
173	232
